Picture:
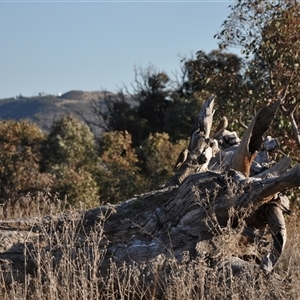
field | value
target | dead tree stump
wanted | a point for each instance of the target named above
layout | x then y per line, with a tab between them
224	187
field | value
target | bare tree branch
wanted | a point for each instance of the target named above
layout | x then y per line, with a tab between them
295	126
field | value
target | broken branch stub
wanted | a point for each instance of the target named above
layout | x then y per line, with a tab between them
205	117
252	140
200	150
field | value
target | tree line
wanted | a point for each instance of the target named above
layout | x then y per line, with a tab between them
142	138
73	164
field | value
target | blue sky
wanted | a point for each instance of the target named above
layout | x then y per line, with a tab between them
58	46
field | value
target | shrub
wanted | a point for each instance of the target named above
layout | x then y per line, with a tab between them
69	154
20	143
159	155
119	175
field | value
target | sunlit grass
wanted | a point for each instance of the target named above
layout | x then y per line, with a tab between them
69	268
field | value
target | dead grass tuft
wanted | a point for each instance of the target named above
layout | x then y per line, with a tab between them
68	263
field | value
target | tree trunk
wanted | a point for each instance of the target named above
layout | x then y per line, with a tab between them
224	184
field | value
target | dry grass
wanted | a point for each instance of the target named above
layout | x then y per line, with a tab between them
66	271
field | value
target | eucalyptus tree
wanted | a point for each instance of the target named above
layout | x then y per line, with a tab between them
268	34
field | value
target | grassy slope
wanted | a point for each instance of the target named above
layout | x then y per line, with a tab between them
44	109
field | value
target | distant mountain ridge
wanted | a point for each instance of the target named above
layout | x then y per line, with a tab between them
44	109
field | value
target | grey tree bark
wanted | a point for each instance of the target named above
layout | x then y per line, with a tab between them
223	184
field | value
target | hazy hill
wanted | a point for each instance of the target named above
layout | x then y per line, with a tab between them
44	109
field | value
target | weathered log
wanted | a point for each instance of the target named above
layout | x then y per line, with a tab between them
209	194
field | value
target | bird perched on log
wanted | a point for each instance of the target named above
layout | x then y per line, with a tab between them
181	158
222	126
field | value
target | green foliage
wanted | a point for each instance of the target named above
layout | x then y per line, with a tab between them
142	113
151	94
20	144
78	186
180	116
280	49
114	112
69	154
70	142
159	155
222	74
268	32
119	177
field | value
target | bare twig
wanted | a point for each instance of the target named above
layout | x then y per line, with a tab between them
295	126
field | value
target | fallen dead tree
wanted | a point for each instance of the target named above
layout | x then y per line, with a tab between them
226	191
